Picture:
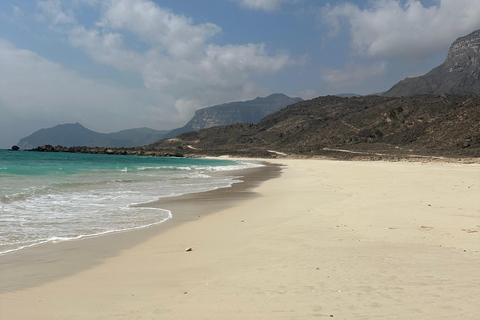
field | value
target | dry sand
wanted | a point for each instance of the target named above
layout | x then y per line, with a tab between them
348	240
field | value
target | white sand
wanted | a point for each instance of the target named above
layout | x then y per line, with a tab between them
352	240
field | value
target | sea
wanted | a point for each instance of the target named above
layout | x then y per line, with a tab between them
50	197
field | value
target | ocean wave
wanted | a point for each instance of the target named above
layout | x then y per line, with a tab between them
25	195
98	202
167	215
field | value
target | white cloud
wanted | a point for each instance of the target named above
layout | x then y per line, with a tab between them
405	29
36	90
105	47
177	57
17	12
185	106
157	26
53	11
353	74
181	67
265	5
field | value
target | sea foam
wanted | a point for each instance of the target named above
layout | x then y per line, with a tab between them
71	197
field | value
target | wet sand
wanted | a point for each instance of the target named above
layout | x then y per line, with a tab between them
348	240
34	266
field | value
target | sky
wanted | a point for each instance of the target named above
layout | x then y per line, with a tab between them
119	64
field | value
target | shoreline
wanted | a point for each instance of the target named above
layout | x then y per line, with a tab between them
43	263
349	240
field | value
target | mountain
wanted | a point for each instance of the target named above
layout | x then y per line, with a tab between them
424	124
74	134
459	74
138	136
250	111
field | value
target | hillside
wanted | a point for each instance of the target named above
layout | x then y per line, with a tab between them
74	134
250	111
426	124
459	74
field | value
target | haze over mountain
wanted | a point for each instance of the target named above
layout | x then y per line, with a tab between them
250	111
70	135
74	134
460	73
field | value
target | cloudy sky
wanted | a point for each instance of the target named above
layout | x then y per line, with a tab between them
119	64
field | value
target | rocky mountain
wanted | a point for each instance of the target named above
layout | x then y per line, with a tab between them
250	111
459	74
425	124
74	134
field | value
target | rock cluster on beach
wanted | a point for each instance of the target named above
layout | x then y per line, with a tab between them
136	151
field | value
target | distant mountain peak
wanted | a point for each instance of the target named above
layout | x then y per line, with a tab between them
75	134
250	111
458	74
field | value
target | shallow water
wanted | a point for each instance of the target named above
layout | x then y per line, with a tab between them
48	197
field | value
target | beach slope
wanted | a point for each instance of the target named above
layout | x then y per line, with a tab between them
348	240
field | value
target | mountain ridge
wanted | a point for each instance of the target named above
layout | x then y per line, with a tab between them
70	135
458	74
424	124
367	128
250	111
75	134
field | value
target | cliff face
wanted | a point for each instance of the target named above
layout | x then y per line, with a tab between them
250	111
464	54
459	74
247	112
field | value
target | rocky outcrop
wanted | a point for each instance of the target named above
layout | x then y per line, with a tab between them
137	151
459	74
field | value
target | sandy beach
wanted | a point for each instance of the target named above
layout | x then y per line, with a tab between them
325	239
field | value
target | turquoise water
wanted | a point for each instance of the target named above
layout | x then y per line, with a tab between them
47	197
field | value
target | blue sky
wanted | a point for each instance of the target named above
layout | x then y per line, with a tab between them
119	64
